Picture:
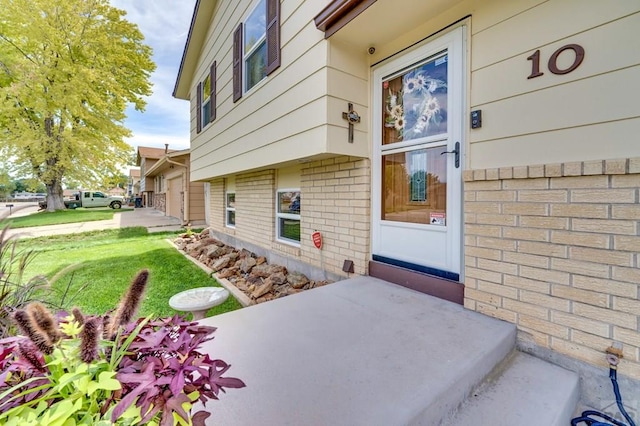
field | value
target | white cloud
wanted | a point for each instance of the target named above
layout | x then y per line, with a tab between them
165	25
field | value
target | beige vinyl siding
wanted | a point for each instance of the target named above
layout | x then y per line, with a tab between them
347	82
285	116
588	114
196	201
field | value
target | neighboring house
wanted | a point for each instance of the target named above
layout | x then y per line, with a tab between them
167	187
116	191
133	185
146	158
69	194
482	151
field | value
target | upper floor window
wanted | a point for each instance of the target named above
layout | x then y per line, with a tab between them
206	99
256	46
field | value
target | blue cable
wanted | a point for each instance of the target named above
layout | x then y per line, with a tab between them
586	415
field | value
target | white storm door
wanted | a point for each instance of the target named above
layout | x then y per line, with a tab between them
417	158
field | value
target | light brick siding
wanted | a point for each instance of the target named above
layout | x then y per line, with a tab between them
255	204
216	205
336	200
555	250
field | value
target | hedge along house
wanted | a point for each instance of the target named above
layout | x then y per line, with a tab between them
482	151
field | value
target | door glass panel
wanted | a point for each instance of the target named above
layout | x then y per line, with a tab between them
415	186
415	102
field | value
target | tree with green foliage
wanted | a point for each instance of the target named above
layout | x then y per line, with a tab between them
119	180
6	186
68	71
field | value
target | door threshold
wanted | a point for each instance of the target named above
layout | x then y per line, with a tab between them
432	285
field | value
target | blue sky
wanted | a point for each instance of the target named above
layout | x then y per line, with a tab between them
165	25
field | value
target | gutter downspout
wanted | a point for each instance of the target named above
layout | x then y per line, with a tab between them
185	189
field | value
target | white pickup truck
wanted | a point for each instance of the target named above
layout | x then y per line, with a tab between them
91	199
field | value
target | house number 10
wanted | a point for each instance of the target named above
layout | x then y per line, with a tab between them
553	61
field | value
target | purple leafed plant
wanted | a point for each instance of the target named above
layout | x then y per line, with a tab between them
164	366
156	363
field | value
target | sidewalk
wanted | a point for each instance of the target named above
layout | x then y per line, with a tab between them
153	220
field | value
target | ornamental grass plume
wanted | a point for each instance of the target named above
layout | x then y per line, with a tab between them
29	352
77	315
129	304
43	319
89	339
142	371
24	321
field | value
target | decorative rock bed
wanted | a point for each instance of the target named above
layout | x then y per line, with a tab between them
250	273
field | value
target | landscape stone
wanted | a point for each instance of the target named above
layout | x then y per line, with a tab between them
221	263
297	280
227	272
249	273
263	289
214	251
247	264
278	278
261	270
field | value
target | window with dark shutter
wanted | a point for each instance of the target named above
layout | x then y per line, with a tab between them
237	63
212	99
273	35
199	108
256	46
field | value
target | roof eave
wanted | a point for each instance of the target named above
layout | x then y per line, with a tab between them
202	13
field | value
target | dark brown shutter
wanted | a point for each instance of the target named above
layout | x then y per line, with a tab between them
212	101
237	63
273	35
199	108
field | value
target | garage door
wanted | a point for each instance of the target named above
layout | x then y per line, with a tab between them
174	198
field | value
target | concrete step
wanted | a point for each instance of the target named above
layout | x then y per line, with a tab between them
525	391
357	352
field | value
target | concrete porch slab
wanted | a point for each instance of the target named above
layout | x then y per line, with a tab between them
357	352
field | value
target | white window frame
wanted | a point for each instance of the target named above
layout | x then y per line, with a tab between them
206	100
245	55
228	209
290	216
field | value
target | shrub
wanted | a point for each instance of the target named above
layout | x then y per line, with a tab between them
99	370
15	291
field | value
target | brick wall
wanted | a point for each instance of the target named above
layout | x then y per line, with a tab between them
555	250
216	204
255	207
336	201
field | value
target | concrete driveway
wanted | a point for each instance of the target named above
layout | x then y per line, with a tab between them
153	220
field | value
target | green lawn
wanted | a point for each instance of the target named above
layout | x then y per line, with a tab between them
100	265
62	216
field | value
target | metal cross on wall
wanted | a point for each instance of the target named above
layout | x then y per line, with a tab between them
352	117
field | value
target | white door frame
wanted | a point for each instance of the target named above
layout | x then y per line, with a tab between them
452	259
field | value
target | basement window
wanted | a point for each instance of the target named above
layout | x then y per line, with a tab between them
288	216
230	209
